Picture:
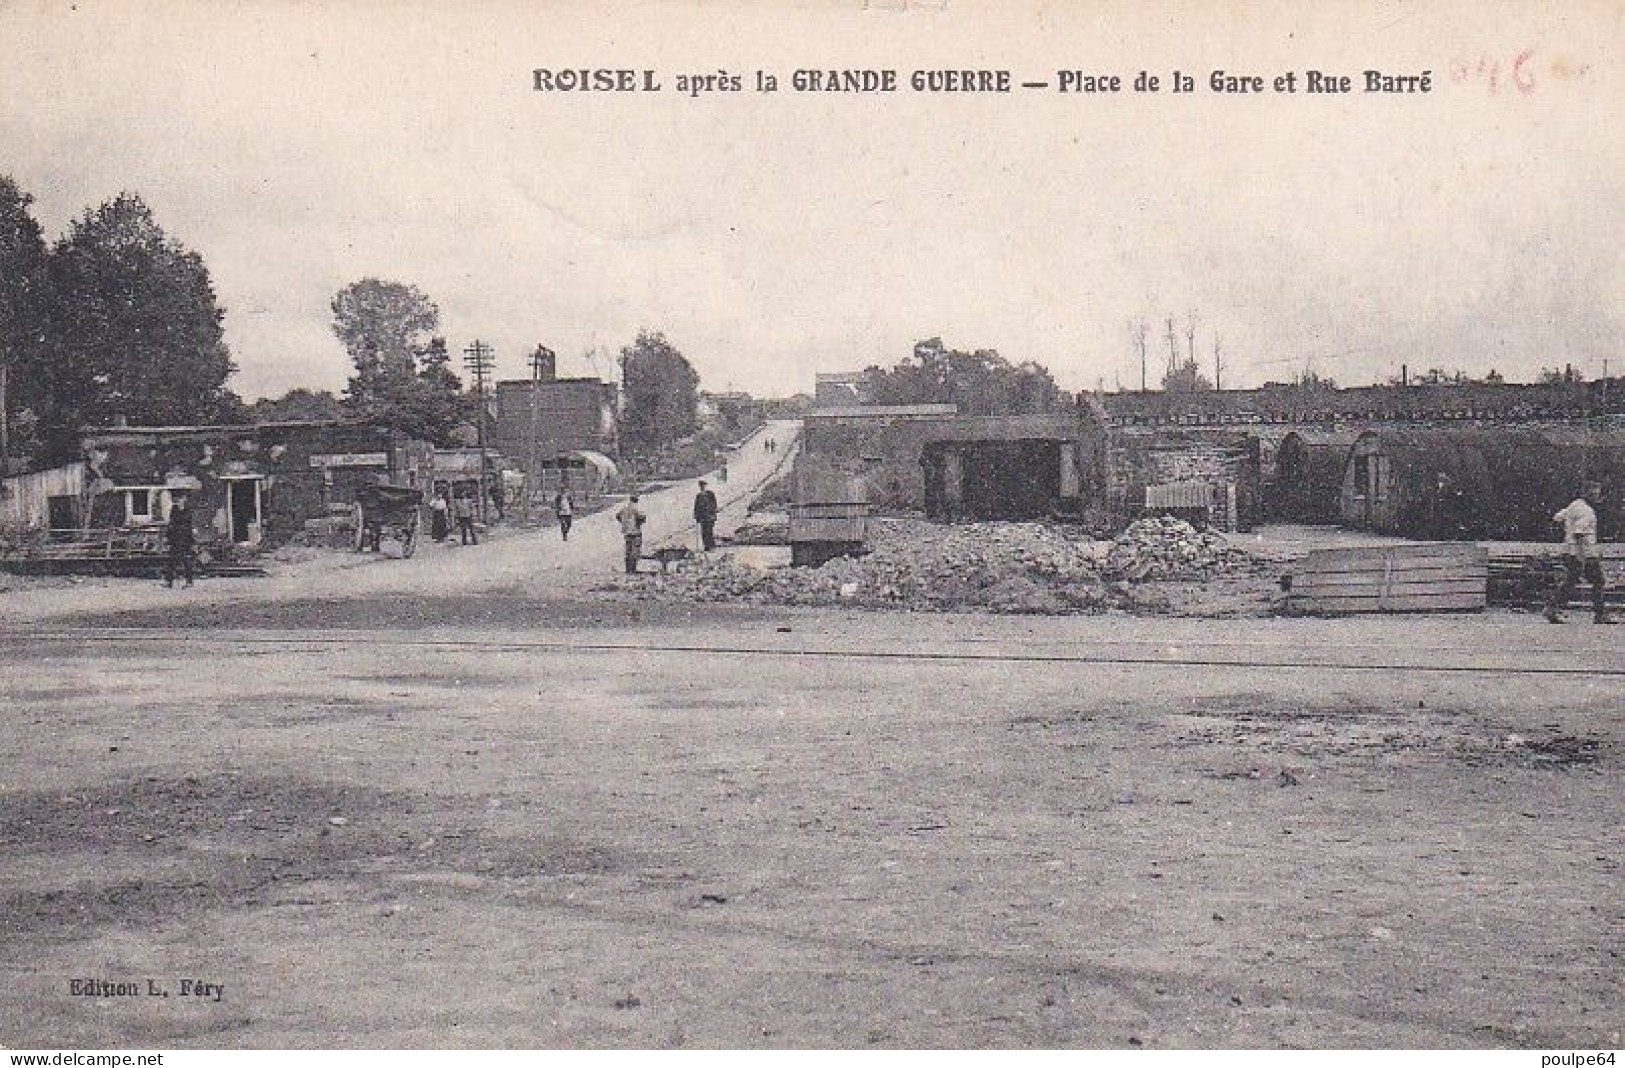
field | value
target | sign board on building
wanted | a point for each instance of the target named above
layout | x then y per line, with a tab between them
350	459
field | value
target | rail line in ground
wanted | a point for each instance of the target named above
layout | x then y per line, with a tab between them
1104	656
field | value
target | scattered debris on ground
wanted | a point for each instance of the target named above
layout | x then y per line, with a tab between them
763	529
1006	567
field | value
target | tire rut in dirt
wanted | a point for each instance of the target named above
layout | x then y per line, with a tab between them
166	848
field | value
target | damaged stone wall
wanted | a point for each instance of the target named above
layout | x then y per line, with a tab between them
1137	458
286	458
888	450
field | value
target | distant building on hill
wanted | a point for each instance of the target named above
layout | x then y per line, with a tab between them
843	389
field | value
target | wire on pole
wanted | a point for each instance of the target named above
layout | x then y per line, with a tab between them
480	359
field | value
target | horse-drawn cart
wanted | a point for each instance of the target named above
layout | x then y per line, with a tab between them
387	512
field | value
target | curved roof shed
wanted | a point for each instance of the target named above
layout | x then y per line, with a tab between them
1479	483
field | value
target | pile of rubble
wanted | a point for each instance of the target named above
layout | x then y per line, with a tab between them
1032	568
1163	548
763	529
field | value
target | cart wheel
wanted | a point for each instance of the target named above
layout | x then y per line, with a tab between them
409	541
360	529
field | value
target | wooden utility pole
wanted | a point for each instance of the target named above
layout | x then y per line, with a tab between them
5	420
1139	329
480	358
1218	363
533	475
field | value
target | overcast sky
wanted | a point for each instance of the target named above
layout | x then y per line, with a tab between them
300	147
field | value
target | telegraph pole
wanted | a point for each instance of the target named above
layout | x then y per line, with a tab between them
538	359
480	359
1138	328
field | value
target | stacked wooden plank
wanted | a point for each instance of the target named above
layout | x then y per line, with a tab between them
1523	579
1429	577
114	544
120	551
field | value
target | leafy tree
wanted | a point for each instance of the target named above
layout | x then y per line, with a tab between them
980	382
403	376
297	405
660	389
433	405
135	330
383	326
23	281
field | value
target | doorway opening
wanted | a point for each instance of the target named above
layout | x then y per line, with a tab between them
243	510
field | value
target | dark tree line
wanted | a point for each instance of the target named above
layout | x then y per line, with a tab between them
114	319
980	382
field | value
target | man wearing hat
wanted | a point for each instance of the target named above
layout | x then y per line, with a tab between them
705	514
180	537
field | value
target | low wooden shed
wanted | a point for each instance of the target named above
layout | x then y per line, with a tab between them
829	513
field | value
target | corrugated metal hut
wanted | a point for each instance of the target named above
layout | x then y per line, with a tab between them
1461	483
1308	480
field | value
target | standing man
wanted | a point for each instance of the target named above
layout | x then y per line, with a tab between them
181	539
1579	521
564	506
705	514
632	519
463	508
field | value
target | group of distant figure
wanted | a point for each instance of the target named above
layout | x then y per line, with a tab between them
444	508
630	518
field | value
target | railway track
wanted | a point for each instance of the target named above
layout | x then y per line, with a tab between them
1344	657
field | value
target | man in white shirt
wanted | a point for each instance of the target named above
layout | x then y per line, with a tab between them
1579	522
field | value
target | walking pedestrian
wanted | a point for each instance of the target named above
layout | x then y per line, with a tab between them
564	506
705	514
181	539
632	519
439	515
499	496
463	508
1580	557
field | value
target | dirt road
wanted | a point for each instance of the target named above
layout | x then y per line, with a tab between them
536	561
706	829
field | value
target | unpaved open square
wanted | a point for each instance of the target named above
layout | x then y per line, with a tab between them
710	830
